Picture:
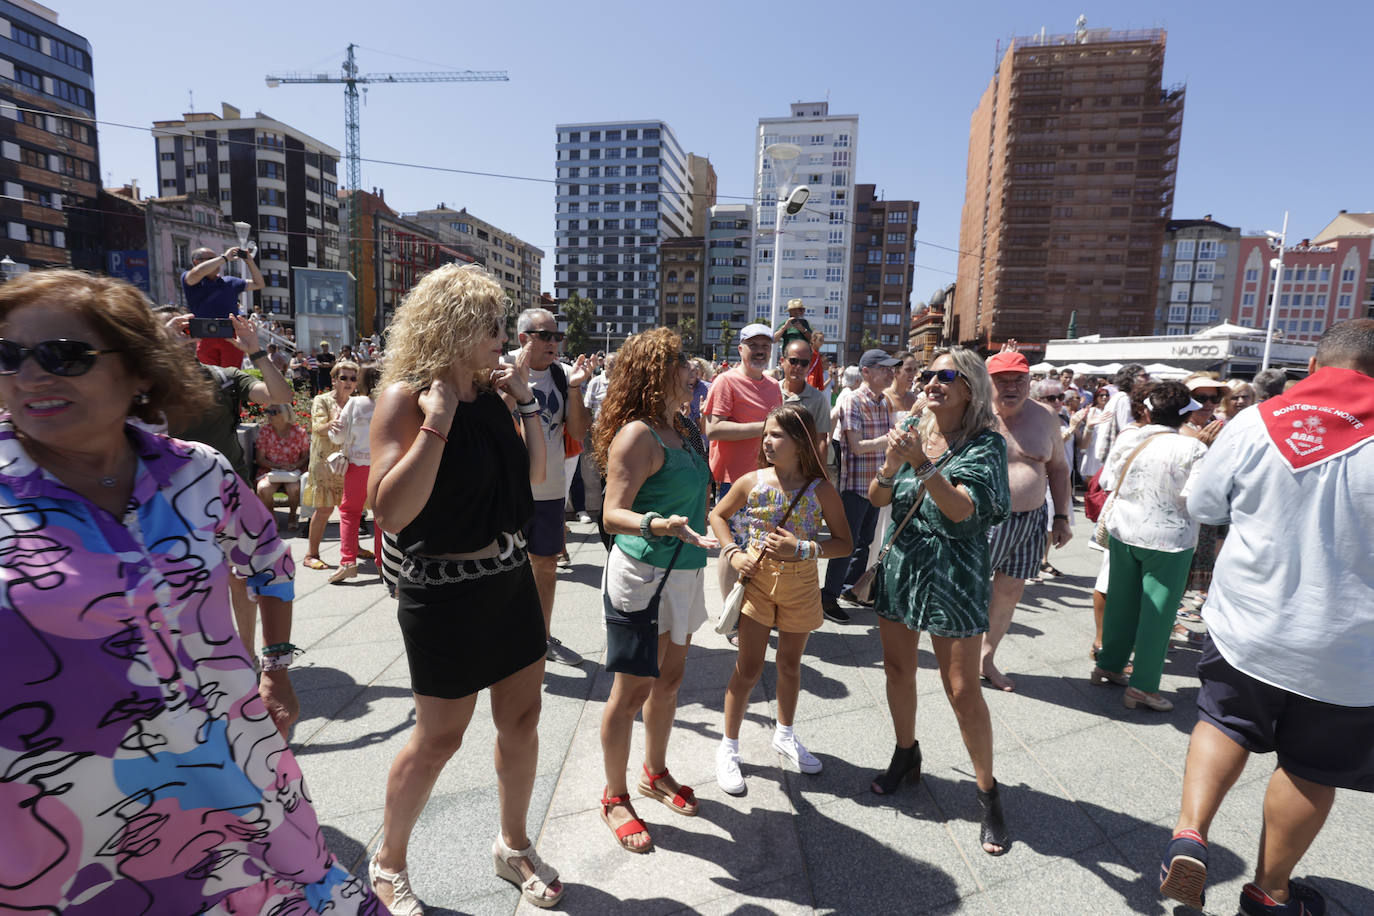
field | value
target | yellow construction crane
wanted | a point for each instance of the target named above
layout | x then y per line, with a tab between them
351	79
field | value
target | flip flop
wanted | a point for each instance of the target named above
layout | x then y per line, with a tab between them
313	562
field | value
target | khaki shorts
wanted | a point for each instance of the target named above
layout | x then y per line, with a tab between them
785	595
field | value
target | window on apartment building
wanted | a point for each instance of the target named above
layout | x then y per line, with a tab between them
1247	300
223	194
24	37
1206	270
28	78
1252	275
1183	250
1183	270
1300	275
1348	275
892	279
897	216
1206	250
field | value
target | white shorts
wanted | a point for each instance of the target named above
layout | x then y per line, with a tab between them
630	584
1101	584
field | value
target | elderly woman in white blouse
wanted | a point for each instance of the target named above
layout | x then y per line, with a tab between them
1151	543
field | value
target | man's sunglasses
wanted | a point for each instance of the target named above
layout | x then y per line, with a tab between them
59	357
943	376
799	360
547	336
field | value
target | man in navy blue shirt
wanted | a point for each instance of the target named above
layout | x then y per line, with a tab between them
209	295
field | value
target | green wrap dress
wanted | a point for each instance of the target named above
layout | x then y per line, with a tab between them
938	577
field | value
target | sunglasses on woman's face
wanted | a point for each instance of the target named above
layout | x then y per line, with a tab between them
943	376
348	378
1052	397
1207	398
547	336
59	357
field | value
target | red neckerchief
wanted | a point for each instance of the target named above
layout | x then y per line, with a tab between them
1322	417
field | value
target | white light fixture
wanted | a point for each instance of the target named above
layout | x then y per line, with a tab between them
786	157
1277	265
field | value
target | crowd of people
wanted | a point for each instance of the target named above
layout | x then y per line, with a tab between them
935	493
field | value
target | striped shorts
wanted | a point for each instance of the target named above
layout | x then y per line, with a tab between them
1017	546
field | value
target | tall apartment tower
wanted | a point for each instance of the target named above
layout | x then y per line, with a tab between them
623	187
1072	157
816	243
1197	275
703	191
48	158
880	288
729	248
280	180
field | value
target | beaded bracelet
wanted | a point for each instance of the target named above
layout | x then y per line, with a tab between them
924	470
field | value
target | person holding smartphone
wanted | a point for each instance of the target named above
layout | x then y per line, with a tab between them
212	296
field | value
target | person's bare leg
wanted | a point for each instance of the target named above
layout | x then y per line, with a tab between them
753	646
266	490
791	647
1099	611
1294	811
319	520
1214	764
293	503
245	613
438	733
545	580
661	707
1006	594
515	704
959	661
628	694
899	667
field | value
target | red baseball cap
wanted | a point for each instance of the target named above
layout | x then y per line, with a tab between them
1007	361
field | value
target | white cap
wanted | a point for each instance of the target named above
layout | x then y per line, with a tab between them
755	330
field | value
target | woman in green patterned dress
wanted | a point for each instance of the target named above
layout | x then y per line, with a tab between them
936	577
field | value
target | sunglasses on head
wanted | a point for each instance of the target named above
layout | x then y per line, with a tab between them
547	336
943	376
799	360
59	357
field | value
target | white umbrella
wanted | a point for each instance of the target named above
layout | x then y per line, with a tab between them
1043	367
1165	372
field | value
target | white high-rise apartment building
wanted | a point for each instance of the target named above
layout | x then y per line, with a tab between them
623	186
817	242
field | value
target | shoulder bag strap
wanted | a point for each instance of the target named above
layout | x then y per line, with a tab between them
920	493
671	563
1131	458
796	499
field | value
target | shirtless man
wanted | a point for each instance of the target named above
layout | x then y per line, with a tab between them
1035	453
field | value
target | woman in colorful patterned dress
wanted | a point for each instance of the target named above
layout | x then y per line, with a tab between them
282	446
937	577
783	590
147	769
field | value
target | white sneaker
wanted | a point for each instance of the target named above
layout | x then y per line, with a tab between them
796	752
728	776
584	518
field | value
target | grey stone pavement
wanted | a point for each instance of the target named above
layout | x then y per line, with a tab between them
1090	789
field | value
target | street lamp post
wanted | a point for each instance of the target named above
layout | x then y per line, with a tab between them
786	157
1277	265
243	229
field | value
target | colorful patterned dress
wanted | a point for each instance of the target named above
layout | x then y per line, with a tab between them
938	575
142	773
281	452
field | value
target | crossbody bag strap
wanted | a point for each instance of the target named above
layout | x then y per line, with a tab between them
671	563
1131	458
796	499
920	493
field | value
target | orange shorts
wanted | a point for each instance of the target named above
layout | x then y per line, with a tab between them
785	595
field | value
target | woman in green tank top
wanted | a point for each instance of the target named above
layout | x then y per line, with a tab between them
654	587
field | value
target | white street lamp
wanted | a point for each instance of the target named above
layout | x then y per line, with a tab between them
243	229
1277	265
786	157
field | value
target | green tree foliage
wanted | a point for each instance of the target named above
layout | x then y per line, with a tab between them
579	313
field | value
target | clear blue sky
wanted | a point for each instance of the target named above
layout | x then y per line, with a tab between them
1277	113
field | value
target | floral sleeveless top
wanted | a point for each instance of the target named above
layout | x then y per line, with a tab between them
766	505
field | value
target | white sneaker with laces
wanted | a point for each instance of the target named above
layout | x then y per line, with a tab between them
728	776
796	752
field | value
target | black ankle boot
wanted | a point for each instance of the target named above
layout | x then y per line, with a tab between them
906	764
994	830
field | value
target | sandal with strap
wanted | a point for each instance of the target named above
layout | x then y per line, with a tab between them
1183	870
313	562
533	887
403	899
629	828
683	801
994	829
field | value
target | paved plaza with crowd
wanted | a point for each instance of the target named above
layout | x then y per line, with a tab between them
1091	790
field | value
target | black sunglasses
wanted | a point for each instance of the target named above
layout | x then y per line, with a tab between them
547	336
348	378
943	376
1052	397
59	357
799	360
1207	398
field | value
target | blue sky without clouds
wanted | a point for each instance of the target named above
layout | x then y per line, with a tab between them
1277	113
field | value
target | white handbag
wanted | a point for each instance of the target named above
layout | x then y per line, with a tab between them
338	461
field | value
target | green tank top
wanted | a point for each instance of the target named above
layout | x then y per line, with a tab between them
679	488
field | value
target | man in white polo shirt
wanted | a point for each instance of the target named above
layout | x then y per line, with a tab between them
1288	666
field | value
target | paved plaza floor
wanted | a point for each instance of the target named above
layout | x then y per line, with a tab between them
1091	790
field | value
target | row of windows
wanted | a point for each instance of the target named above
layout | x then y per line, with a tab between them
612	136
629	152
52	162
57	49
611	171
68	92
55	124
687	299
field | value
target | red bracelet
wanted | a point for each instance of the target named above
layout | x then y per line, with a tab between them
431	429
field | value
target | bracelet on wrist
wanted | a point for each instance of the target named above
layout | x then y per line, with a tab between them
256	355
884	480
646	522
526	403
1057	516
434	432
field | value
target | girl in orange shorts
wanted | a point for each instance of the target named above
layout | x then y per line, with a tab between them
783	503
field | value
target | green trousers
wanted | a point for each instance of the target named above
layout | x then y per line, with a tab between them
1143	590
